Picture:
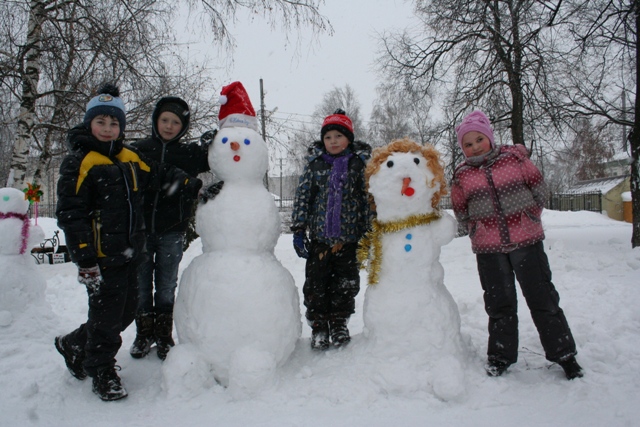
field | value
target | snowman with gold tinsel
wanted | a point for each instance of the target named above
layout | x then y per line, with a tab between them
22	286
412	323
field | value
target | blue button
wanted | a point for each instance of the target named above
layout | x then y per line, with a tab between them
409	236
407	248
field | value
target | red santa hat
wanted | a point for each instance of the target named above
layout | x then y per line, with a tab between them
235	108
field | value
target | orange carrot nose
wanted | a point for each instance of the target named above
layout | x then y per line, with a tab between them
235	146
405	185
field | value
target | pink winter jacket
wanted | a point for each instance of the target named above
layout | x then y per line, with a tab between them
498	199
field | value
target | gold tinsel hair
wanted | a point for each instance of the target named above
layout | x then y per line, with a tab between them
405	145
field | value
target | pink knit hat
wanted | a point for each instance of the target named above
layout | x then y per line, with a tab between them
475	121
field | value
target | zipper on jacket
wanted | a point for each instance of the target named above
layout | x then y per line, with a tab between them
97	236
502	222
127	184
157	195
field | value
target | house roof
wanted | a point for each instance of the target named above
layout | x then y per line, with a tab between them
603	185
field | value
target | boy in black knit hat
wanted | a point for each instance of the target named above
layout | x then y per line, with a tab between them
167	217
331	206
100	194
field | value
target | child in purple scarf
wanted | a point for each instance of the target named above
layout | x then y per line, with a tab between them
331	205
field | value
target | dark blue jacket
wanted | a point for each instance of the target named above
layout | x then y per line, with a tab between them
310	205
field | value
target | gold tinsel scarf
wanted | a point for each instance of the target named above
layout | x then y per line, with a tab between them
370	247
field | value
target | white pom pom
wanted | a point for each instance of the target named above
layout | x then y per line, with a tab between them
222	100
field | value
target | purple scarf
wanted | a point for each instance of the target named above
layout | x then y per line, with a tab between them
337	179
25	227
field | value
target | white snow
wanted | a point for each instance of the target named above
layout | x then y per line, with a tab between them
594	268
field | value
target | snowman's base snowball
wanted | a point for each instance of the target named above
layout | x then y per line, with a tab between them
21	284
231	300
251	371
185	372
448	379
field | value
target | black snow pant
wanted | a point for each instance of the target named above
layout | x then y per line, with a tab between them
111	310
332	282
531	267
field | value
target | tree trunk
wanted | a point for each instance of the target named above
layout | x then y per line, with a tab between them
634	140
30	78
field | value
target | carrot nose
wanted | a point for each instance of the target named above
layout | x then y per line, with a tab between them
405	185
235	146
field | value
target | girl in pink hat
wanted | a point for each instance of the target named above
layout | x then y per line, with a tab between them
498	195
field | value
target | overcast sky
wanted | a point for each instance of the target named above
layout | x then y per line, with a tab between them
296	77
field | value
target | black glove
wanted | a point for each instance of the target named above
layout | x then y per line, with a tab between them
206	139
301	244
210	192
192	187
91	278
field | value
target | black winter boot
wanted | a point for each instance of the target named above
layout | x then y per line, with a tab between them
496	368
107	385
73	357
571	368
164	329
144	335
339	331
320	335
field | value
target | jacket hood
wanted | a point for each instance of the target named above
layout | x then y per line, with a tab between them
186	119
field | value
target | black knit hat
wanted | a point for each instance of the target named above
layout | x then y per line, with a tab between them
177	109
175	105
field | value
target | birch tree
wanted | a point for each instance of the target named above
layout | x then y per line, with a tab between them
54	52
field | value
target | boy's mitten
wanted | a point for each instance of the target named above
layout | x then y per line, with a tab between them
193	186
301	244
91	278
210	192
206	139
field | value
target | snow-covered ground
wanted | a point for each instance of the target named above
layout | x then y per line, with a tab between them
594	269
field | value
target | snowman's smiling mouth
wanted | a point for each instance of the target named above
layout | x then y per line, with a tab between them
236	158
406	189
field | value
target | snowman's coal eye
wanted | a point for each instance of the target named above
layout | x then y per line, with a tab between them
416	160
224	140
390	164
247	142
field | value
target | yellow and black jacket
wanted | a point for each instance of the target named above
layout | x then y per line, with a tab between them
100	198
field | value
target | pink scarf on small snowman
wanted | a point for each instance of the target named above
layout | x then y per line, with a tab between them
25	227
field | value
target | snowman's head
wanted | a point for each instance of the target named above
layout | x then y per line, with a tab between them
12	201
238	154
405	178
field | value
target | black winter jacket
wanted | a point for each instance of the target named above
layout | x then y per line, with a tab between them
171	211
310	204
100	196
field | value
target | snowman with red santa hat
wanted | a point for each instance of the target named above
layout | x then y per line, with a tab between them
237	310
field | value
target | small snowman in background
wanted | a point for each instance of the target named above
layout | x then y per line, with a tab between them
411	321
21	284
237	311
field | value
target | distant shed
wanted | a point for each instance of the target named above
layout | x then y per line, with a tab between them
611	189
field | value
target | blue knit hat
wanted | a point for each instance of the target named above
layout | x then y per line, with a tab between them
108	103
